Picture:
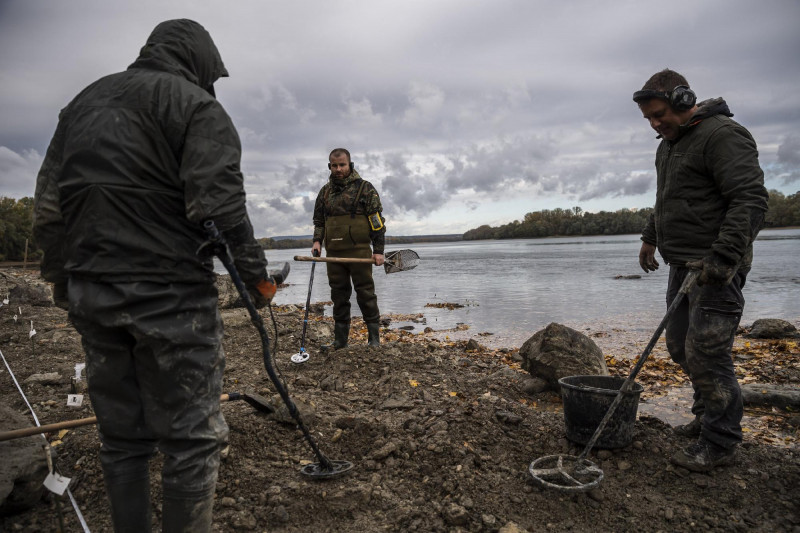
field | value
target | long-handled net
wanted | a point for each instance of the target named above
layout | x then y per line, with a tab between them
400	260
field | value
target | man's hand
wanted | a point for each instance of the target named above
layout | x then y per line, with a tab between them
647	257
715	271
316	249
263	293
377	259
60	296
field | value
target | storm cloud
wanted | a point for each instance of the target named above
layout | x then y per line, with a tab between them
460	113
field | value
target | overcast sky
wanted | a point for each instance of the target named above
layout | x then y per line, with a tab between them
461	112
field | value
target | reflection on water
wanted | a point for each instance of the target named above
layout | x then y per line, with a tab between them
513	288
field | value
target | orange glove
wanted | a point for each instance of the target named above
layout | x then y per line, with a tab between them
264	292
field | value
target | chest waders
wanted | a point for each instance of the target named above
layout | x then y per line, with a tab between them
348	235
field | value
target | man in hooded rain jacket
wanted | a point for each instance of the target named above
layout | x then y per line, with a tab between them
139	160
710	205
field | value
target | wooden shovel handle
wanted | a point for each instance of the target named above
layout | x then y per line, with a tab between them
47	428
67	424
334	259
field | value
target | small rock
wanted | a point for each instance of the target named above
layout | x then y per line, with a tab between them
280	514
511	527
534	385
474	346
604	455
597	495
669	514
49	378
488	520
508	417
244	520
388	449
624	465
227	501
455	515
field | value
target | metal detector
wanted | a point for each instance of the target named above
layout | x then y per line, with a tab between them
577	474
397	261
324	468
302	356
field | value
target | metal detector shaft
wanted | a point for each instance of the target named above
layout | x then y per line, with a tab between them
687	285
222	251
308	303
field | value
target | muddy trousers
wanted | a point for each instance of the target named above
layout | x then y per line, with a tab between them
154	364
339	276
700	338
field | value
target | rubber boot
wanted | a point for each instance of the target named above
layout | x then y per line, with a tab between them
341	331
187	513
374	334
130	505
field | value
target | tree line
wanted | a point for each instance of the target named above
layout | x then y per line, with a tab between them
783	211
16	225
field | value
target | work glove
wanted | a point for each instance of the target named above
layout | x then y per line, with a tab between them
60	296
715	271
262	293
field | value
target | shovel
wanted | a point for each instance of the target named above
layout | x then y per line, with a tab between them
397	261
257	401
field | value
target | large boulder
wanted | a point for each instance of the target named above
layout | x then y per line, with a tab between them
558	351
34	292
772	328
23	467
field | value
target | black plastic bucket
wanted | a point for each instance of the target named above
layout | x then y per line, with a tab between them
586	401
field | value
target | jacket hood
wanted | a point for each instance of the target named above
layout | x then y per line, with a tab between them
183	47
709	108
705	109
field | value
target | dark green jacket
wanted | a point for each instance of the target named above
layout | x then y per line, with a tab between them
710	195
138	161
337	198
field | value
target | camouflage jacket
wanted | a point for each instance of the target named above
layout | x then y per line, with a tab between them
337	197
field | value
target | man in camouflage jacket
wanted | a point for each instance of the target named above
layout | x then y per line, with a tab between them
348	220
710	205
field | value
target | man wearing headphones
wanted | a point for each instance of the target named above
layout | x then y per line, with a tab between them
348	219
710	205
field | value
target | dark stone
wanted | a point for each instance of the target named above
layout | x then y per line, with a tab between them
23	467
783	396
35	293
558	351
772	328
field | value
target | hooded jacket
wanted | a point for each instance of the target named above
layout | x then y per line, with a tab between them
710	194
139	160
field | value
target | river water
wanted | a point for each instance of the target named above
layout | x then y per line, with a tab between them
513	288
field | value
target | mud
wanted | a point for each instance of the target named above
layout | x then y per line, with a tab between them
440	436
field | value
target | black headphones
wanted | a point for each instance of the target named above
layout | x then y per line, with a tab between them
681	98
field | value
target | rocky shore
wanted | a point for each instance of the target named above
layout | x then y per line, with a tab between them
440	433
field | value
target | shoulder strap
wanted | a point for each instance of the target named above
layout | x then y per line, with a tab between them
355	200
